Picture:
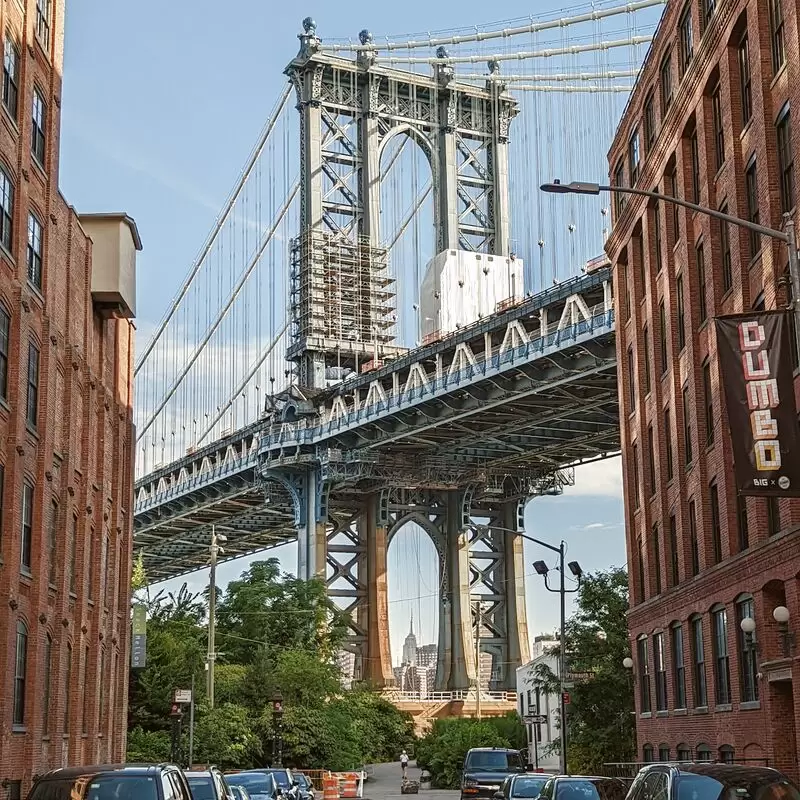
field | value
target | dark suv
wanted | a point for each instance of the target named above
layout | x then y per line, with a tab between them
485	769
113	782
707	781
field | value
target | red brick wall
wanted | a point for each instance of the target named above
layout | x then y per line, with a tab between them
78	457
757	731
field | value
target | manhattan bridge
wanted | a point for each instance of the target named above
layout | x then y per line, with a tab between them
389	324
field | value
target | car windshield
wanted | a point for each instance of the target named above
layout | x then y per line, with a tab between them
202	788
282	778
758	786
590	790
493	761
112	786
255	782
527	787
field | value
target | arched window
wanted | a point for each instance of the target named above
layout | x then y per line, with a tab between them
663	752
6	208
47	665
726	754
684	752
703	752
748	657
20	670
647	753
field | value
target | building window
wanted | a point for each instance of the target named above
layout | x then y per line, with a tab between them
773	516
633	157
776	34
644	676
646	339
681	313
668	442
687	425
43	22
660	667
684	752
636	500
11	78
2	490
666	84
703	752
751	185
73	554
786	159
722	675
700	258
709	400
631	381
694	152
673	549
693	542
745	80
744	531
678	666
640	559
748	657
102	700
726	754
725	247
39	116
47	665
657	557
67	690
649	122
707	8
89	559
35	251
33	384
699	659
5	333
662	324
716	530
686	39
6	209
648	754
657	236
663	752
719	131
20	672
672	179
27	527
651	455
85	708
52	542
619	197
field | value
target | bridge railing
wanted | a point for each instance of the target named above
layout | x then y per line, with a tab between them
438	697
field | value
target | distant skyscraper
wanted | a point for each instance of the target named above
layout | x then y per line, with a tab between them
427	655
410	646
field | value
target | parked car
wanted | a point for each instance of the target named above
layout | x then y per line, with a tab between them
516	787
113	782
240	793
304	785
708	781
485	769
286	781
584	787
260	783
208	784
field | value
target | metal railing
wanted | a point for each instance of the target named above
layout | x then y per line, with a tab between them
439	697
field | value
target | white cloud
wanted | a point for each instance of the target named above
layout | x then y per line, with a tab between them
594	525
601	478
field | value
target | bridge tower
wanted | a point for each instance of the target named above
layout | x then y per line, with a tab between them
343	318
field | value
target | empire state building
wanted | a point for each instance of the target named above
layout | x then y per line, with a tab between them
410	646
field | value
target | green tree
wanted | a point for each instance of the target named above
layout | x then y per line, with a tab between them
600	713
305	680
148	747
226	736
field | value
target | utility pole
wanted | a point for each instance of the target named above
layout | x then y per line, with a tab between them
478	659
212	610
562	665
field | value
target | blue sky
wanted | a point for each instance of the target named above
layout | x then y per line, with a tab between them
162	101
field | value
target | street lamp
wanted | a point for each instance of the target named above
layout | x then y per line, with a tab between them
542	569
277	729
787	235
215	550
627	662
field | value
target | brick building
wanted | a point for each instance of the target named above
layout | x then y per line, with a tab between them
711	120
66	350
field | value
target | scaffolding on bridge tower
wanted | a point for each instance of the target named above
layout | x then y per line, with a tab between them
360	433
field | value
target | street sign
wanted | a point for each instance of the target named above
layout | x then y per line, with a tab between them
183	696
535	719
565	698
579	677
139	637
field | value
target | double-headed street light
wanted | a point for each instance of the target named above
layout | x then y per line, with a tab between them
543	570
787	235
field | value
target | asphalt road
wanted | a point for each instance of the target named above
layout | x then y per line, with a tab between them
385	785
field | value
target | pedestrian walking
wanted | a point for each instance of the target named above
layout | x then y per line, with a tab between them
404	764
